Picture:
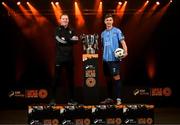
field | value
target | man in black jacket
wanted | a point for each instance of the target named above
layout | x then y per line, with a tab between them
65	39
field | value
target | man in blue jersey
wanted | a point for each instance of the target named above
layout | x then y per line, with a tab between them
112	38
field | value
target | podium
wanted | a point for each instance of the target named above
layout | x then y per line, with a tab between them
90	68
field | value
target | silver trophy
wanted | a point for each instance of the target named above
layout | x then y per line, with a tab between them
90	43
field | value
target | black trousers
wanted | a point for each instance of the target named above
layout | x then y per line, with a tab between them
64	71
111	69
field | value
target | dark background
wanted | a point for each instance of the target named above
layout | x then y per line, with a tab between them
27	62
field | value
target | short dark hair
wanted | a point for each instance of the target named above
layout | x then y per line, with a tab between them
108	15
64	14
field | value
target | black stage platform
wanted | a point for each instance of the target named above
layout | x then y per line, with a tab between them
91	114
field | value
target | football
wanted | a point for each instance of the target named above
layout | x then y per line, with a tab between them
119	53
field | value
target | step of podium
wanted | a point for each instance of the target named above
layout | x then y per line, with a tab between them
91	114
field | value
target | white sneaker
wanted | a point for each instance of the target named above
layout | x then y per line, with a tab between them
118	101
107	101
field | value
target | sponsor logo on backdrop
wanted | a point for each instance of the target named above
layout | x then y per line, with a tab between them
28	93
43	93
90	75
36	93
161	91
67	122
99	121
34	122
166	91
17	93
130	121
113	121
50	122
144	92
90	82
86	121
145	121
